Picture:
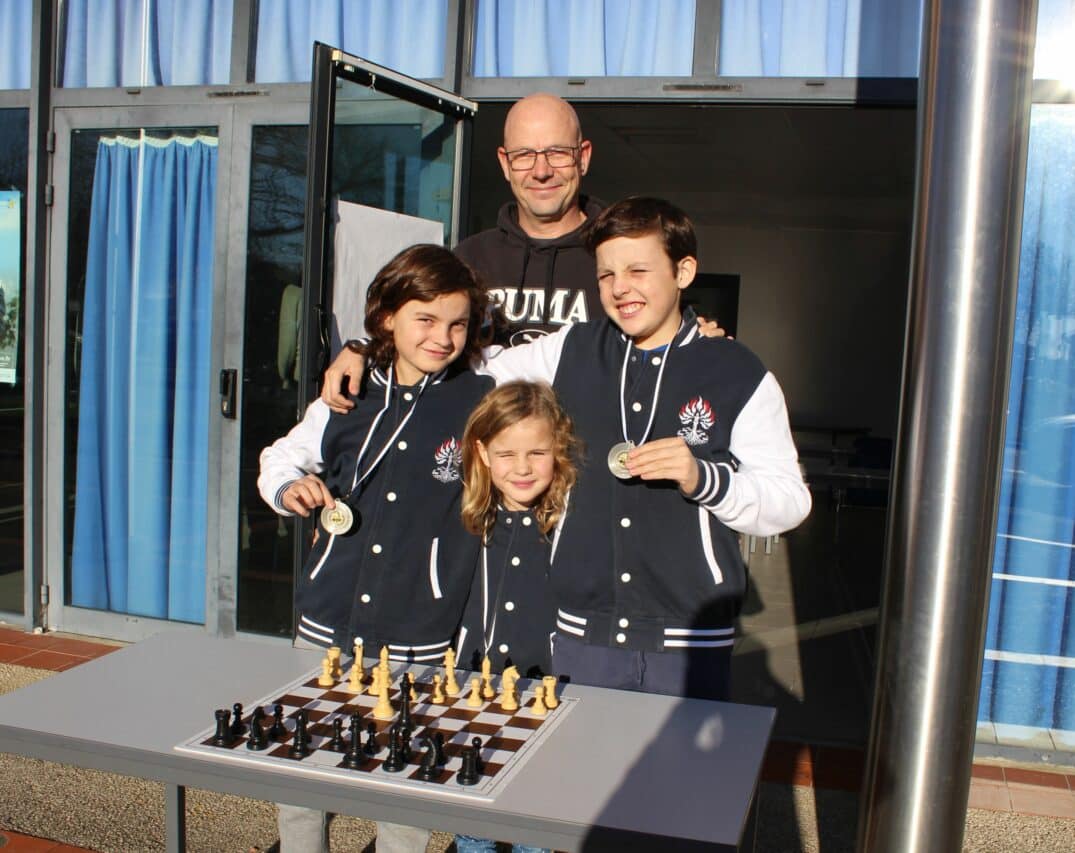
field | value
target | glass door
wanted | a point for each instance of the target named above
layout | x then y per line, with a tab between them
378	139
133	286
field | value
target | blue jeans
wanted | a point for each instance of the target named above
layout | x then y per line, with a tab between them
470	844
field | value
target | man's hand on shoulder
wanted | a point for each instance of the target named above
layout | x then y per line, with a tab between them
665	459
347	366
712	329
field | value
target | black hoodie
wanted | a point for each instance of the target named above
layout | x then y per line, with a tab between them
541	285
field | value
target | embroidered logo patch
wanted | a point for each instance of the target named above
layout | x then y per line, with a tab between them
696	416
449	459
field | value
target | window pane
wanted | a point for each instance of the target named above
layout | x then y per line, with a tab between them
407	35
272	326
15	20
1053	59
595	38
1028	678
146	42
819	38
14	133
140	301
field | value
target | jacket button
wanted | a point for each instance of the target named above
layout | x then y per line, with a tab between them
376	549
526	520
408	396
402	445
503	648
508	519
625	522
365	598
515	561
509	605
624	623
621	638
626	577
656	360
636	407
391	496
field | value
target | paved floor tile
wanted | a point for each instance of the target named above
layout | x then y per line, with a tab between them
1030	799
989	795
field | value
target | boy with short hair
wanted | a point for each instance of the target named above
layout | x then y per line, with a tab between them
687	443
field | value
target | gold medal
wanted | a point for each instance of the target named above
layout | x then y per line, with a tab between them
617	460
337	520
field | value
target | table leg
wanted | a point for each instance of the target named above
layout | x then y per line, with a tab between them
175	818
750	827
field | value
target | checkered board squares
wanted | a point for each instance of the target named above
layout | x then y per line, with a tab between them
508	738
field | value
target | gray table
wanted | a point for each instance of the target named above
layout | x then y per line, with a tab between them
623	771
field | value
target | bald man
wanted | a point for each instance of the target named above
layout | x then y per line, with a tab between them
534	261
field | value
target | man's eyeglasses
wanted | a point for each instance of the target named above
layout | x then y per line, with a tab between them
524	159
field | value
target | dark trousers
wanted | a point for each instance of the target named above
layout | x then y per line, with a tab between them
697	673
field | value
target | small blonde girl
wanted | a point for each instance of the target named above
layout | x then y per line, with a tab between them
519	454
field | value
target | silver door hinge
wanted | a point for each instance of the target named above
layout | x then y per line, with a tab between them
50	142
44	594
48	195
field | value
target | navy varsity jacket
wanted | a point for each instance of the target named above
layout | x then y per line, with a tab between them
638	564
401	575
510	614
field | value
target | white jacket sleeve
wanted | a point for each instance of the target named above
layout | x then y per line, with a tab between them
534	362
766	494
294	456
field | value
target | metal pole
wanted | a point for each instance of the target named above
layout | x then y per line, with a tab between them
973	119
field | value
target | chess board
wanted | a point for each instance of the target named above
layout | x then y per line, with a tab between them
508	737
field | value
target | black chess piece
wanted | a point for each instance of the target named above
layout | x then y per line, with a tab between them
300	746
438	746
395	760
356	755
468	773
476	742
223	735
429	769
337	743
371	747
405	744
403	719
258	740
277	731
238	727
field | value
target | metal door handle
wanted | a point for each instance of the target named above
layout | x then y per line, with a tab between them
228	383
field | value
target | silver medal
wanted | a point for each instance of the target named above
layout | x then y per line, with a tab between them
337	520
617	459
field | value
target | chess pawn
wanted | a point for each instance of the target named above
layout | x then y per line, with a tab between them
474	700
325	678
549	682
538	708
438	690
354	685
375	682
358	653
334	656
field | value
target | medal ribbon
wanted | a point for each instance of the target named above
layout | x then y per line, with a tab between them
656	391
358	480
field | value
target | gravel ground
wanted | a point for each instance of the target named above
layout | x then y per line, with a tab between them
106	812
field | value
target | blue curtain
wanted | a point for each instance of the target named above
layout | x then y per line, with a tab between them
147	42
559	38
406	35
15	18
1029	673
144	393
819	38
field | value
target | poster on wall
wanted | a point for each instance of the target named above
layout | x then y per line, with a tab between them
10	258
